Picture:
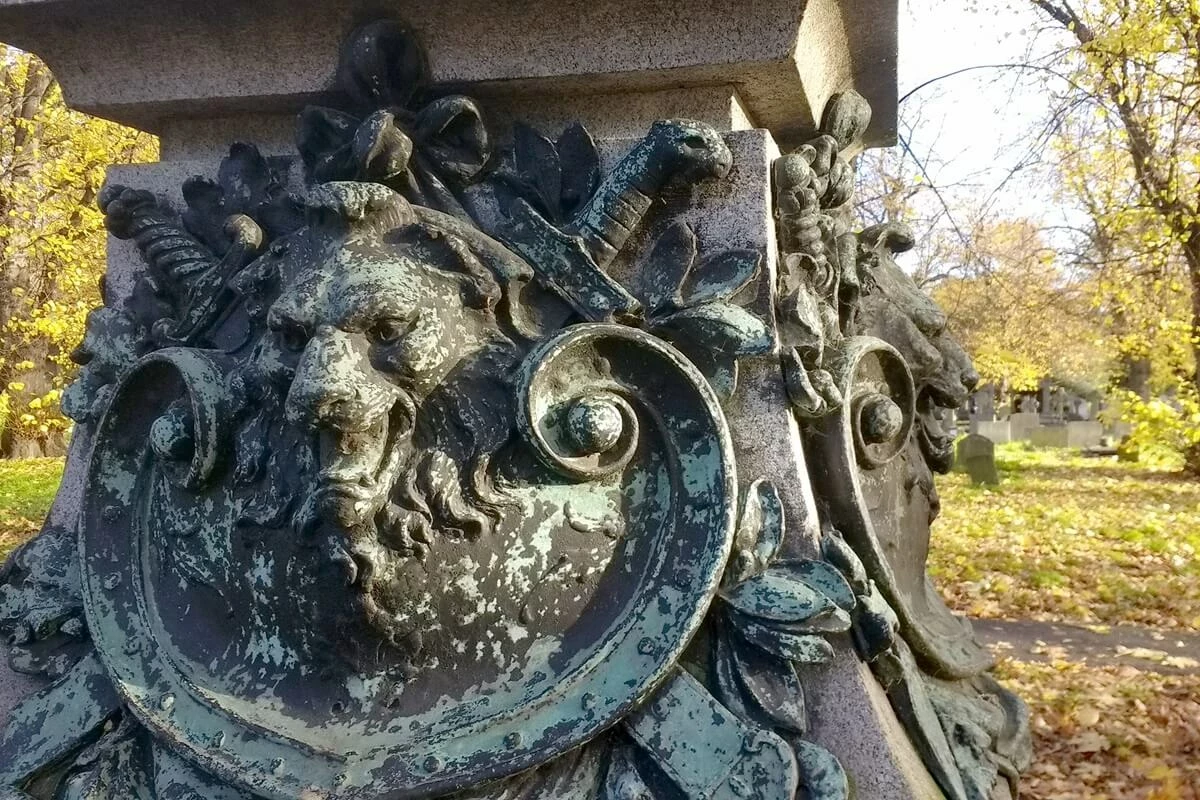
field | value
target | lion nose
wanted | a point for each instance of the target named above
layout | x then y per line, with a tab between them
323	390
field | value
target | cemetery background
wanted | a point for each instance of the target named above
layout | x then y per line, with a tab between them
1102	543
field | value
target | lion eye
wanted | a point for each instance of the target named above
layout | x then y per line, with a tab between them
389	331
695	141
292	337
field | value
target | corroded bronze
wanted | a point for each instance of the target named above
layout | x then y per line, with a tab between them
395	491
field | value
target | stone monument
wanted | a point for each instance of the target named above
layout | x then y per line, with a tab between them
983	417
530	428
976	456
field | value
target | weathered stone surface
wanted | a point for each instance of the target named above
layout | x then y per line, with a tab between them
14	687
1022	424
467	402
1049	436
607	116
1068	434
999	431
1084	433
785	57
984	402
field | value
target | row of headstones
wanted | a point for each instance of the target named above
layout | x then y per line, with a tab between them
1051	403
1053	417
1030	427
975	453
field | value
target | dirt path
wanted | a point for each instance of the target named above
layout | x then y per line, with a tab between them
1169	652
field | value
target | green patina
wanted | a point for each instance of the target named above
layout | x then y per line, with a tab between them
389	497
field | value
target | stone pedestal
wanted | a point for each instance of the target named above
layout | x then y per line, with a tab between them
801	417
201	78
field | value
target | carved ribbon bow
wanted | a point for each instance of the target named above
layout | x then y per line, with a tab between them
424	152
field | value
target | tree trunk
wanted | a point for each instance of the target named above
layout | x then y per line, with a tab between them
15	272
1191	248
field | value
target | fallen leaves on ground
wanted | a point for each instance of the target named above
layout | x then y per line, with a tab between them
1109	733
1064	538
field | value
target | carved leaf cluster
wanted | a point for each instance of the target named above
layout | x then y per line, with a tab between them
555	177
247	183
773	616
690	301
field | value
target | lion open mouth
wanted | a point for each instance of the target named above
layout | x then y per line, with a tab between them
936	438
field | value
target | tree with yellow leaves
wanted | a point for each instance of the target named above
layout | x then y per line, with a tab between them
52	165
1133	160
1018	313
1017	306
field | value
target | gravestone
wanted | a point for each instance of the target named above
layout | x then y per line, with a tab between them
984	403
1079	409
530	426
1055	435
976	456
1069	434
998	431
1047	399
1022	424
1084	434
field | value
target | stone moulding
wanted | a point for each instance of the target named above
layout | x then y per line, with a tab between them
784	60
419	482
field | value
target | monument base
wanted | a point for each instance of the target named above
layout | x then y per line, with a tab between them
544	442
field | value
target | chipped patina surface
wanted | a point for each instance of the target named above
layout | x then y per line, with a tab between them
407	485
871	371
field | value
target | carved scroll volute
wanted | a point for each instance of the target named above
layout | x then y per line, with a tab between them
862	440
876	420
877	487
165	427
176	401
601	398
606	402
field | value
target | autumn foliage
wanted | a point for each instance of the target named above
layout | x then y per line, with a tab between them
1129	150
52	164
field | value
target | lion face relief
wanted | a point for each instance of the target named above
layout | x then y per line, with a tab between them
382	327
896	310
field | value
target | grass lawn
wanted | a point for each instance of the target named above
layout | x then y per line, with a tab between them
27	488
1097	542
1061	538
1066	538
